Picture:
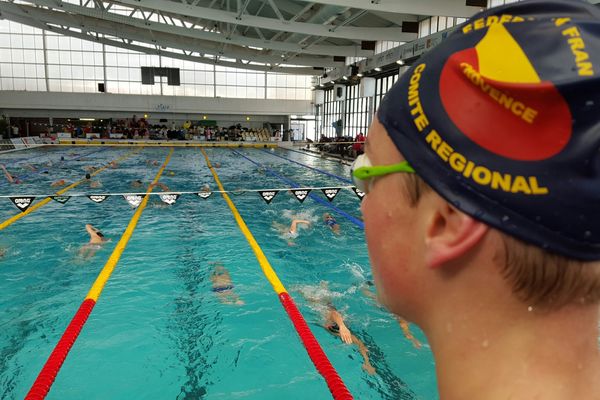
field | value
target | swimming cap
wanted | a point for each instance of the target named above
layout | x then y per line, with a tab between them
502	119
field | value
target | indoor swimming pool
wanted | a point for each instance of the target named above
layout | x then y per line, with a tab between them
162	328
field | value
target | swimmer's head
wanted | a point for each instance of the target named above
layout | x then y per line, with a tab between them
495	120
88	176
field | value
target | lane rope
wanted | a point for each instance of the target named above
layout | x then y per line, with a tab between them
290	182
42	203
315	352
42	384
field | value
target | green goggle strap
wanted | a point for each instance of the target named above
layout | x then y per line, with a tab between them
369	172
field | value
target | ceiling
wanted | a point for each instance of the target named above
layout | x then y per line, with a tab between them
292	36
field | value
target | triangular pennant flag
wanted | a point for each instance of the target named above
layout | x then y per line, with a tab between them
60	199
22	203
169	199
204	195
330	193
268	195
97	198
134	200
359	193
301	194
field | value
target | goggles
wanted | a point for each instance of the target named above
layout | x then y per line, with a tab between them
363	172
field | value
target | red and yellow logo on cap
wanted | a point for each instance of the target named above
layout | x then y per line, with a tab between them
493	94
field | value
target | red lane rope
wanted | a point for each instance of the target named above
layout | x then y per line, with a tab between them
315	352
46	377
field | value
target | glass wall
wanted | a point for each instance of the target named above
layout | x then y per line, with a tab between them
36	60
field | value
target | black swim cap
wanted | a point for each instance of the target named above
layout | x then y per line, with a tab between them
87	176
502	119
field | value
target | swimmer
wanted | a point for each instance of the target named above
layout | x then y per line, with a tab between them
9	177
93	184
365	289
152	162
113	164
136	183
89	168
30	167
97	239
60	182
205	188
2	252
332	320
290	232
222	285
331	223
171	173
217	165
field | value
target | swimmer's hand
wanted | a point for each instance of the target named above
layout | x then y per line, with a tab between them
345	334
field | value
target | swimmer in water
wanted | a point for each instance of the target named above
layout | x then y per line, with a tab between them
366	290
320	299
30	167
152	162
113	164
136	183
60	182
93	184
331	223
290	232
222	285
97	239
9	177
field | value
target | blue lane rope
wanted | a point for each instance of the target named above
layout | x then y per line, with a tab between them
294	185
313	168
27	175
308	153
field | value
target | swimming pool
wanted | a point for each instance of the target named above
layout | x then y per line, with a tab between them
158	331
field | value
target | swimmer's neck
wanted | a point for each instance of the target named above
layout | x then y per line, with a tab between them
529	355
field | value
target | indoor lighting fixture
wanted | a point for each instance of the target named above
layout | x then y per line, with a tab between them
360	75
400	62
345	77
378	69
86	119
293	116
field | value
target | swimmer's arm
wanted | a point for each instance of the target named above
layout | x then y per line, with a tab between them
339	320
295	223
407	333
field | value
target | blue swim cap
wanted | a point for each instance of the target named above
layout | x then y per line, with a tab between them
502	119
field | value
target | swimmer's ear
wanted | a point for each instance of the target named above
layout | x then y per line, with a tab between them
450	234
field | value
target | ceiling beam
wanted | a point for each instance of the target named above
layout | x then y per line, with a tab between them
202	34
449	8
164	39
347	32
28	20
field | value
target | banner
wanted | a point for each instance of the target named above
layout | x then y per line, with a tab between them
97	198
60	199
358	193
134	200
330	193
22	203
169	199
301	194
268	195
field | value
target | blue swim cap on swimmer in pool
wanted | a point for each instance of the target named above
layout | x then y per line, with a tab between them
503	120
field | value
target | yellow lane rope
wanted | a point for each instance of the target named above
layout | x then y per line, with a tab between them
110	265
42	203
260	256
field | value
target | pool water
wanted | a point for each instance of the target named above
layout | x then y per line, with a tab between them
158	331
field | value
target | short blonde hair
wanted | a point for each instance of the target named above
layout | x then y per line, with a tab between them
537	277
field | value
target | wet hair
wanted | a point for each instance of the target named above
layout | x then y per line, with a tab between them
537	277
99	234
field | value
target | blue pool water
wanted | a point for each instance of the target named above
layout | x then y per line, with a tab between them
158	331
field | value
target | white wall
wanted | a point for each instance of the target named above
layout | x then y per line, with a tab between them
73	105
